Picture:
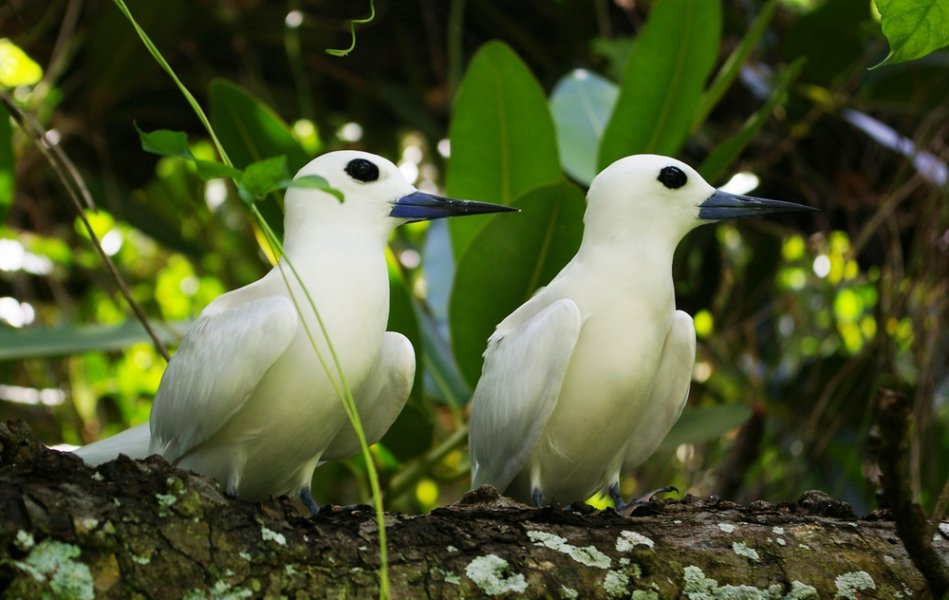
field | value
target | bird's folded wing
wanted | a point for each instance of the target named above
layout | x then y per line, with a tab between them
523	372
380	398
669	393
220	361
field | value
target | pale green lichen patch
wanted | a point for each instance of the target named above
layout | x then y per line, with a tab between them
849	584
166	500
587	555
244	555
644	595
616	584
777	530
97	476
222	590
568	592
269	535
726	527
24	540
491	574
140	560
743	549
696	586
628	540
449	548
781	542
52	562
801	591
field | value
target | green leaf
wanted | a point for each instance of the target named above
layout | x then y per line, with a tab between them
33	342
250	131
505	264
314	182
165	142
581	105
706	423
503	142
6	164
719	159
209	169
914	28
670	61
264	176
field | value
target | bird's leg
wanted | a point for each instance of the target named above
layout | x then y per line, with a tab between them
307	498
626	509
537	497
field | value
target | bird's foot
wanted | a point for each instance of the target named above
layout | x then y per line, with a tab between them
645	501
307	498
537	498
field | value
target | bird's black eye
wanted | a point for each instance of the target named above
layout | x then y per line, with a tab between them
362	170
672	177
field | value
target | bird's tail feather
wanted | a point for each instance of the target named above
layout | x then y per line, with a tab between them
132	442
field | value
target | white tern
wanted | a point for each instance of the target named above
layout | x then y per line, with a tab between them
593	370
245	400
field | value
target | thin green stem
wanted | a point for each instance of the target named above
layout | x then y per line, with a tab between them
352	31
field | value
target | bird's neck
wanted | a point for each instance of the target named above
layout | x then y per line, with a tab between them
642	262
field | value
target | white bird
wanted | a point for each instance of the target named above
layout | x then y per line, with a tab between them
592	371
245	399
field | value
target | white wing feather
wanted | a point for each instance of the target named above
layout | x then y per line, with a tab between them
669	393
380	398
219	363
524	369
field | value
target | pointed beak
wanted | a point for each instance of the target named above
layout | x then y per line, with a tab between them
420	206
722	205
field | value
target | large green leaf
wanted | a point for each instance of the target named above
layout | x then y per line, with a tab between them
251	132
502	136
660	92
702	424
506	262
581	104
34	342
6	164
914	28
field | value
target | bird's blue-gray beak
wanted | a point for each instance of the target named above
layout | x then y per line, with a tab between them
722	205
420	206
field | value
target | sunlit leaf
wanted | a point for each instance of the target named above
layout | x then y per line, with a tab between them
581	104
914	28
670	61
502	136
6	163
16	68
526	251
705	423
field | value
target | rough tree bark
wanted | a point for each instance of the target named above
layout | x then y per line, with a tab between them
146	530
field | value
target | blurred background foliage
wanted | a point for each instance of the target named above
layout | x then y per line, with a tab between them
799	319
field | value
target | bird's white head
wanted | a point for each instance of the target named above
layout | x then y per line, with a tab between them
650	196
376	196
